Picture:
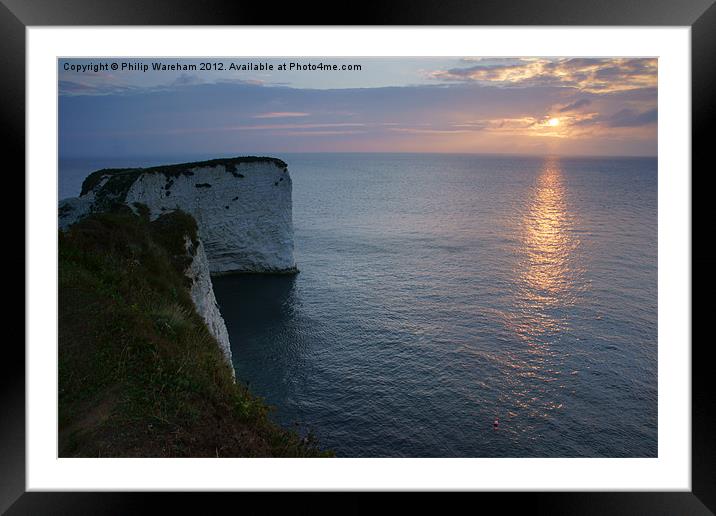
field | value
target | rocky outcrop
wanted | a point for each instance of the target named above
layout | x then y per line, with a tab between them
242	207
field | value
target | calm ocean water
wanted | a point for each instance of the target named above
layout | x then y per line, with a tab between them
439	292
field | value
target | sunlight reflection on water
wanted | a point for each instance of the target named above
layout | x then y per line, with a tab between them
547	279
546	283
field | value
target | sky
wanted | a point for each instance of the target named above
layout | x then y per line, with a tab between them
536	106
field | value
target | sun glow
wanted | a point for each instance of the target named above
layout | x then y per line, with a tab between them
553	122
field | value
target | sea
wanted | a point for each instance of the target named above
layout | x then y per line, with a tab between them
454	305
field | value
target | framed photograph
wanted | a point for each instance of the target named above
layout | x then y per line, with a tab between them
431	251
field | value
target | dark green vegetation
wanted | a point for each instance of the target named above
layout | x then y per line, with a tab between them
121	179
139	373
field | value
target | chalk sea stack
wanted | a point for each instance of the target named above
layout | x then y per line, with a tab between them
242	207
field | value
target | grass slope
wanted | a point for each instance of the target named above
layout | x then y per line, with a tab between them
139	373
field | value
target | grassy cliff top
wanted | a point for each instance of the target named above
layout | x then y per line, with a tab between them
122	178
140	375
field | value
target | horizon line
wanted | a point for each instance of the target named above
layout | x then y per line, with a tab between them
272	153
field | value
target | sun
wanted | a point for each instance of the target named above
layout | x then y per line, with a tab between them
553	122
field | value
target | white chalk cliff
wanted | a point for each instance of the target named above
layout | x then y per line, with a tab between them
242	207
202	294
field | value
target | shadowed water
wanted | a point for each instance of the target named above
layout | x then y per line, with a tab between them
439	292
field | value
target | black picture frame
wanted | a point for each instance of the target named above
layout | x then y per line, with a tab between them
700	15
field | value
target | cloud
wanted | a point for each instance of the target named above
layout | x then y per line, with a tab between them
263	127
575	105
287	128
106	84
632	118
511	125
459	117
186	79
623	118
281	114
317	133
68	87
586	74
420	130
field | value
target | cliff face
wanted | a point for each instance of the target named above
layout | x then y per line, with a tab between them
202	294
242	207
